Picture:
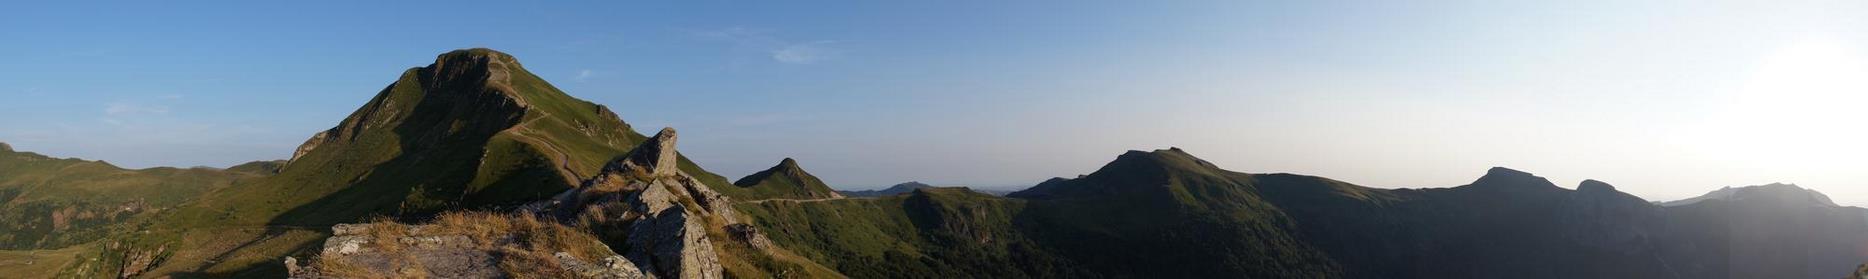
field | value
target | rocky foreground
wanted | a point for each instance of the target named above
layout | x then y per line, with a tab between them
660	215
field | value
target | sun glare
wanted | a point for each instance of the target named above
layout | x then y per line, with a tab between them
1806	106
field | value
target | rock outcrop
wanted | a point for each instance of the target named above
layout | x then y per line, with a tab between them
659	215
463	246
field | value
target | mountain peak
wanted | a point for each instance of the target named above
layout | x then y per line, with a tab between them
908	186
787	180
1506	178
1780	193
1592	185
5	148
473	60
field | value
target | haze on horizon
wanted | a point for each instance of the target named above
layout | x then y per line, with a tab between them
1664	99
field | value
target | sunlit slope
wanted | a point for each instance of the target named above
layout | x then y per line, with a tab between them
474	130
49	203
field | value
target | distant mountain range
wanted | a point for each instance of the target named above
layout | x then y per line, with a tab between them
907	187
473	167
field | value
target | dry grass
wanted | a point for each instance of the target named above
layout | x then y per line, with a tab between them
525	246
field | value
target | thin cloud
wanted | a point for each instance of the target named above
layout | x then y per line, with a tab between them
126	109
778	49
805	53
583	75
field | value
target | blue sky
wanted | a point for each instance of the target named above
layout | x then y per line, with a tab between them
1666	99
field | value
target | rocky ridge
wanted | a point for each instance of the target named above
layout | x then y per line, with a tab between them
663	221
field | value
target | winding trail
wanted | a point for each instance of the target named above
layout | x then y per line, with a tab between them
804	200
564	159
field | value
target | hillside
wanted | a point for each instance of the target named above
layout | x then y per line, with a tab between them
50	203
927	233
897	189
786	180
474	131
1776	230
1167	213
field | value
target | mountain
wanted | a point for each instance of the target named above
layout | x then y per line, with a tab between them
472	131
1788	193
784	181
1776	230
473	167
897	189
1167	213
647	217
1507	223
1155	214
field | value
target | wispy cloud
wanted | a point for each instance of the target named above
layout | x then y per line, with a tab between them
778	49
129	109
583	75
805	53
760	119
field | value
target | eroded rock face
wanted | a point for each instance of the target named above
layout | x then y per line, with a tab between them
750	235
309	145
656	156
656	214
668	239
138	261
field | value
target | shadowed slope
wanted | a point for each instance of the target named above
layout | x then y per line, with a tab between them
50	203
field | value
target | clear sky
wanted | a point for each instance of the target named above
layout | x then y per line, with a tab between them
1665	99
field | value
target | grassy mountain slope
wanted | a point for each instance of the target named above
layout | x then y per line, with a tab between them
786	180
929	233
1167	213
897	189
1777	230
474	130
1148	214
49	203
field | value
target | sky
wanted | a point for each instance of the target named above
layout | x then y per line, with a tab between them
1664	99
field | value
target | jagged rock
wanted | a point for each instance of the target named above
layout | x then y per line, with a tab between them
746	233
668	240
656	156
139	261
645	203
